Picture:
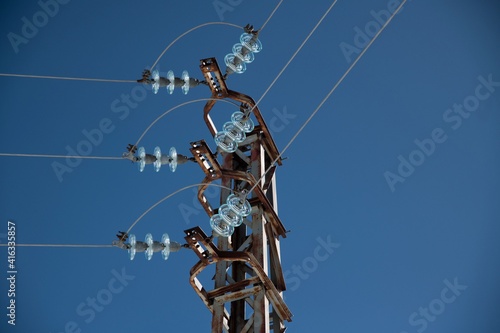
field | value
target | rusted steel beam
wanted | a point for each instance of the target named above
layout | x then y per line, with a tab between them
206	159
272	293
201	244
269	211
238	307
269	177
233	287
267	139
197	235
216	172
197	286
261	313
248	325
275	259
213	76
218	312
238	295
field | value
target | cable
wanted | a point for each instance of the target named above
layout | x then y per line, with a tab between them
62	245
129	229
330	92
138	141
171	195
296	52
66	78
211	23
185	33
155	63
178	106
271	15
63	156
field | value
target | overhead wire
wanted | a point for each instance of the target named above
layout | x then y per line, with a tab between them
65	78
277	77
210	23
62	156
140	138
182	104
115	80
330	92
61	245
224	187
295	54
128	230
271	15
115	157
176	107
169	196
267	90
152	67
187	32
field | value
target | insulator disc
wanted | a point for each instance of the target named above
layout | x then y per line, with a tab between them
235	64
246	55
225	143
220	226
132	250
238	119
173	159
230	216
141	152
156	81
157	163
165	240
251	41
185	78
239	205
171	85
149	251
234	132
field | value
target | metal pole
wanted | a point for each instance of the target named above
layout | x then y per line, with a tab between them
248	276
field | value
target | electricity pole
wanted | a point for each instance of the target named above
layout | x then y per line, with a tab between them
249	282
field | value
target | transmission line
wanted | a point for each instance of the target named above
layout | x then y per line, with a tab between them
169	196
62	156
211	23
271	15
330	92
295	54
176	107
62	245
65	78
187	32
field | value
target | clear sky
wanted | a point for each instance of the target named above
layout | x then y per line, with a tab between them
398	171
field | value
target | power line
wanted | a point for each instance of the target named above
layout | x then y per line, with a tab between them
169	196
190	30
267	90
295	54
271	15
65	78
62	156
137	143
330	92
155	63
128	230
211	23
62	245
176	107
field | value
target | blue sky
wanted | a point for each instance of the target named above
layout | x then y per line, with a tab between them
416	245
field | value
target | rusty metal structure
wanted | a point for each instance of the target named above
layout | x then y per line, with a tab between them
249	282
